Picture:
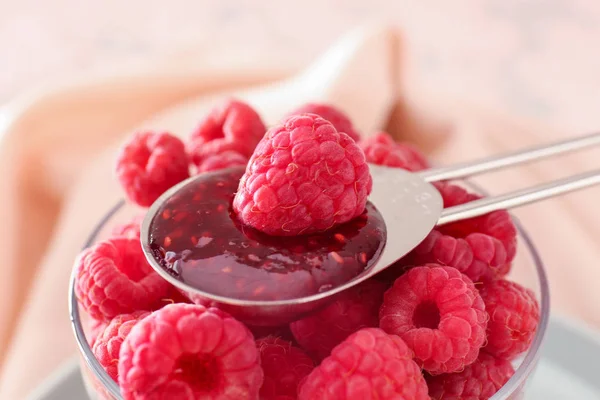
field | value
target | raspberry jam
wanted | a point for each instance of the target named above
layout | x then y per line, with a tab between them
196	238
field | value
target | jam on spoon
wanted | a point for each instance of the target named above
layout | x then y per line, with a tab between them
195	237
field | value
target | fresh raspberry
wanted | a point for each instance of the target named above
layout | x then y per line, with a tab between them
149	164
303	177
439	314
382	149
223	160
130	229
369	364
481	248
514	316
478	381
337	117
352	310
284	366
113	277
107	346
186	351
281	332
231	126
93	328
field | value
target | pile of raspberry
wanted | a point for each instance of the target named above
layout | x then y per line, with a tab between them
442	323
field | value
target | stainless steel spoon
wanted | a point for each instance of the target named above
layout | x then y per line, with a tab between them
411	207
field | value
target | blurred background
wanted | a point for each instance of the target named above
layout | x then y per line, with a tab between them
533	60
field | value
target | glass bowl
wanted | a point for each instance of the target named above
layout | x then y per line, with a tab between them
528	270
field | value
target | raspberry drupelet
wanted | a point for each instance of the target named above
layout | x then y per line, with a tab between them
113	277
149	164
108	343
185	351
231	126
337	117
369	364
284	367
303	177
352	310
382	149
478	381
481	248
439	314
514	317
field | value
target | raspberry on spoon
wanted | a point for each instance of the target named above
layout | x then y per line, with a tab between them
303	177
439	314
337	117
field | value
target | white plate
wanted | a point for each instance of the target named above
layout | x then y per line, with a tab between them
569	369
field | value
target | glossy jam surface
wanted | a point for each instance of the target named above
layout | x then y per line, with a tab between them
195	237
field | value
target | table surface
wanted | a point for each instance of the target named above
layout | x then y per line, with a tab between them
535	58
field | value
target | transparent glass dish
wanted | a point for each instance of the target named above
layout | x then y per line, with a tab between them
527	270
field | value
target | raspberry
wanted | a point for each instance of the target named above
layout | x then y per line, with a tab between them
149	164
481	248
303	177
352	310
478	381
223	160
281	332
338	119
439	314
382	149
130	229
93	328
107	346
514	316
114	278
186	351
369	364
284	366
231	126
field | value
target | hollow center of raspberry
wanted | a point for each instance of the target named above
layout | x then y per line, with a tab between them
195	238
200	371
426	315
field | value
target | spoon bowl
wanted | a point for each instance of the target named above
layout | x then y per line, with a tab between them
410	208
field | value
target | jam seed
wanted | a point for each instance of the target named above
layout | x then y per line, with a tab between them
340	238
259	290
226	270
363	257
337	257
166	214
167	241
220	208
194	240
180	216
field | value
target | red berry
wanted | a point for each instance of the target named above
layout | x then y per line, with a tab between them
382	149
478	381
149	164
93	328
186	351
107	345
439	314
223	160
231	126
130	229
481	248
352	310
338	119
303	177
261	332
113	277
284	367
514	317
369	364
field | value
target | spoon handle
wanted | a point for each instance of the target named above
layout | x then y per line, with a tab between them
472	168
519	197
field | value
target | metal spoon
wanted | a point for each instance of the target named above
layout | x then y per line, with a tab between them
411	207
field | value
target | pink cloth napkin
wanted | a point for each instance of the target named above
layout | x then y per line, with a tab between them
58	150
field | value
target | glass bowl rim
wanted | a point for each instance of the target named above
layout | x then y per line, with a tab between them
510	387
